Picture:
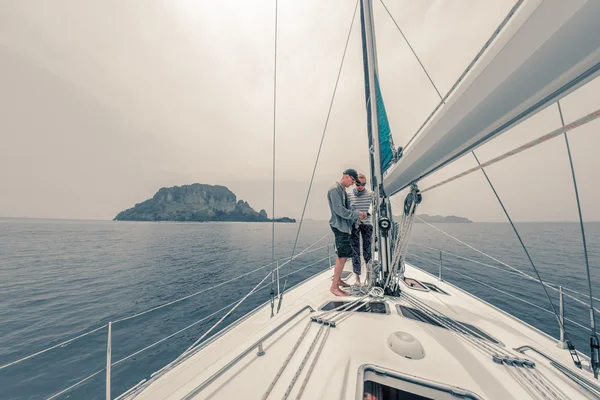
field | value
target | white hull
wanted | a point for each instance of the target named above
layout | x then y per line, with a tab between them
360	341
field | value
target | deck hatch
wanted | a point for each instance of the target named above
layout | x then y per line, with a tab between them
434	288
385	384
418	315
374	307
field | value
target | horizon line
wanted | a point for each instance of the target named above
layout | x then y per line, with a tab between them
306	219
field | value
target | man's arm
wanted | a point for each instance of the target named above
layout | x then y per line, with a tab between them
339	209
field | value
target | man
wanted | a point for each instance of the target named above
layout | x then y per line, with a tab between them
341	221
361	199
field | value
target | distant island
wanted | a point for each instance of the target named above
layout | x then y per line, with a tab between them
196	202
438	218
452	219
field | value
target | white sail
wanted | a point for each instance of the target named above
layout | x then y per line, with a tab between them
547	49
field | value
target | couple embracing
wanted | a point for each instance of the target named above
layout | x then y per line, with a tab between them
350	202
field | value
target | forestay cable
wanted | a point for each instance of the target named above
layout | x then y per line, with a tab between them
319	151
274	130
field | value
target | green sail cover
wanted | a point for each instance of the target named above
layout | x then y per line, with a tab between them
386	142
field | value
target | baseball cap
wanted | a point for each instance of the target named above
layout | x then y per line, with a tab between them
353	174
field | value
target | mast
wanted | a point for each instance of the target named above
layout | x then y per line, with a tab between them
381	207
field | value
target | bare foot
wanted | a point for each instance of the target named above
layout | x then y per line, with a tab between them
337	291
357	282
343	284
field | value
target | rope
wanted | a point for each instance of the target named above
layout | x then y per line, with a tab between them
413	51
274	131
319	151
313	364
466	71
453	326
564	129
303	363
286	361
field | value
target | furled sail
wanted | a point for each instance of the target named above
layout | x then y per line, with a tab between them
386	142
547	49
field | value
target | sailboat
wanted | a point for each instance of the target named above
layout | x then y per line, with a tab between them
409	334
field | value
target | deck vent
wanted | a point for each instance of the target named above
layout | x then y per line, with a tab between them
406	345
418	315
375	307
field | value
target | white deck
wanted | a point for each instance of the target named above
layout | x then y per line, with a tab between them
361	340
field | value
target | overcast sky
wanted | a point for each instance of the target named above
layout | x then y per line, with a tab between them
104	102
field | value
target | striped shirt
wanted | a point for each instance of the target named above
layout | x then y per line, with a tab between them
361	201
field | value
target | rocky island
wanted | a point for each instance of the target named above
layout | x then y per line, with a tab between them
452	219
196	202
440	219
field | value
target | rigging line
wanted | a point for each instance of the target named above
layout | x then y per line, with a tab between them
522	244
518	271
564	129
551	285
320	147
226	315
485	284
178	332
160	341
468	69
238	304
413	51
52	347
76	384
185	355
145	348
305	251
274	131
256	288
498	290
548	284
587	264
453	325
471	247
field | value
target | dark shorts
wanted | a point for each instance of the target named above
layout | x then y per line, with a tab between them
342	243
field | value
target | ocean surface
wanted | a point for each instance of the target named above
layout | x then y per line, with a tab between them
60	279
